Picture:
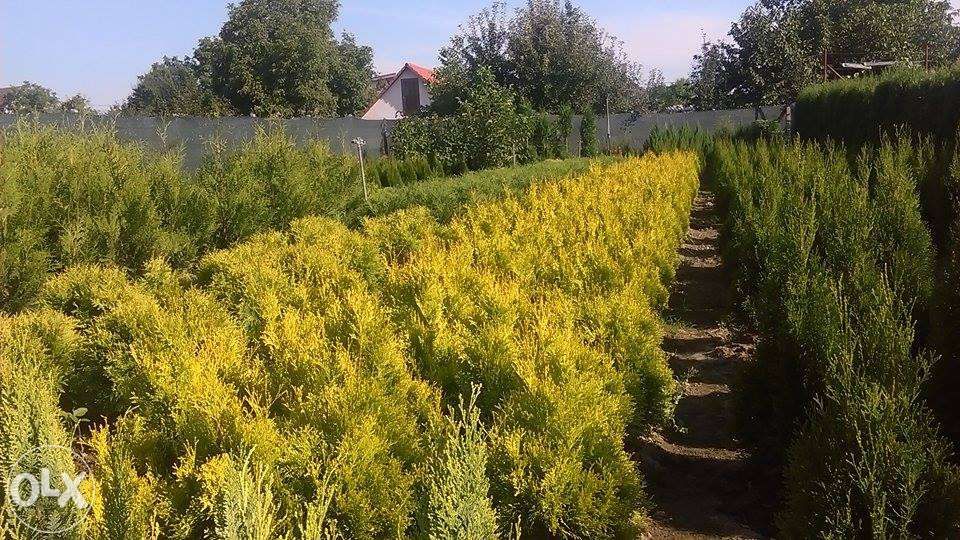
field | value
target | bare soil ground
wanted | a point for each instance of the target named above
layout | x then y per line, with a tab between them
701	479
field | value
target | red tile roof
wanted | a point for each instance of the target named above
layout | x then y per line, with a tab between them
424	73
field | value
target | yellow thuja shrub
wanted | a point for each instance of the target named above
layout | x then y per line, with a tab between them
548	300
333	363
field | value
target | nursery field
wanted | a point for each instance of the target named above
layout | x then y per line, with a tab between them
471	368
739	335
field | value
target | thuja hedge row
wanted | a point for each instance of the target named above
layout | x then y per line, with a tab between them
926	107
860	110
411	378
837	263
69	197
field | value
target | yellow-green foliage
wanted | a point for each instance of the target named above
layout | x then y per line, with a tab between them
35	349
295	385
547	300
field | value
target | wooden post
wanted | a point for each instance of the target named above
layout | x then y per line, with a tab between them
824	64
363	175
609	136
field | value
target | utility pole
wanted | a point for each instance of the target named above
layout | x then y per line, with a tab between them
363	176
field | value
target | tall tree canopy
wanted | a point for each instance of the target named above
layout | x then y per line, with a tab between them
170	88
77	104
778	45
29	98
271	58
550	52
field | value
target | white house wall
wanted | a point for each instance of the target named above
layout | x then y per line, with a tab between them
390	104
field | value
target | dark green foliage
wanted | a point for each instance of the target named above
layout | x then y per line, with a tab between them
834	260
564	129
270	58
927	106
29	98
589	144
777	46
551	53
669	138
860	110
543	133
389	172
485	132
169	88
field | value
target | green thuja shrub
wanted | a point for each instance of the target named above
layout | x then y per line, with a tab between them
589	144
671	138
390	173
458	487
447	197
833	259
270	181
69	197
542	136
861	110
562	132
408	171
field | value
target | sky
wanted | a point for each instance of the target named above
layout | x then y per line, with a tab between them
99	47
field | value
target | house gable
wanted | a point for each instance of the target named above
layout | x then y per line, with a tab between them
389	104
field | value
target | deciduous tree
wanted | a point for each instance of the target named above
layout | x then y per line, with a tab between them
552	53
778	45
30	98
169	88
77	104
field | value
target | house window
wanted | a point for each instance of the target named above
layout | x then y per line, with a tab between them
410	89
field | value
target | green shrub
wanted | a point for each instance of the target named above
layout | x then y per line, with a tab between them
923	106
832	259
458	487
563	131
589	144
543	134
665	139
860	110
269	182
69	196
485	132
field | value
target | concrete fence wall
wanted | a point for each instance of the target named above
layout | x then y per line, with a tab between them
194	135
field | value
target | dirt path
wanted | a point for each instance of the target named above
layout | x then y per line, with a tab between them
700	478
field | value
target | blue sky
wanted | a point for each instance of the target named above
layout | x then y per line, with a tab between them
98	47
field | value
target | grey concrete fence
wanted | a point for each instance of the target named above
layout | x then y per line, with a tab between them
194	135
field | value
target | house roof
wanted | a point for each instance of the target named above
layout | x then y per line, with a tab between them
426	74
